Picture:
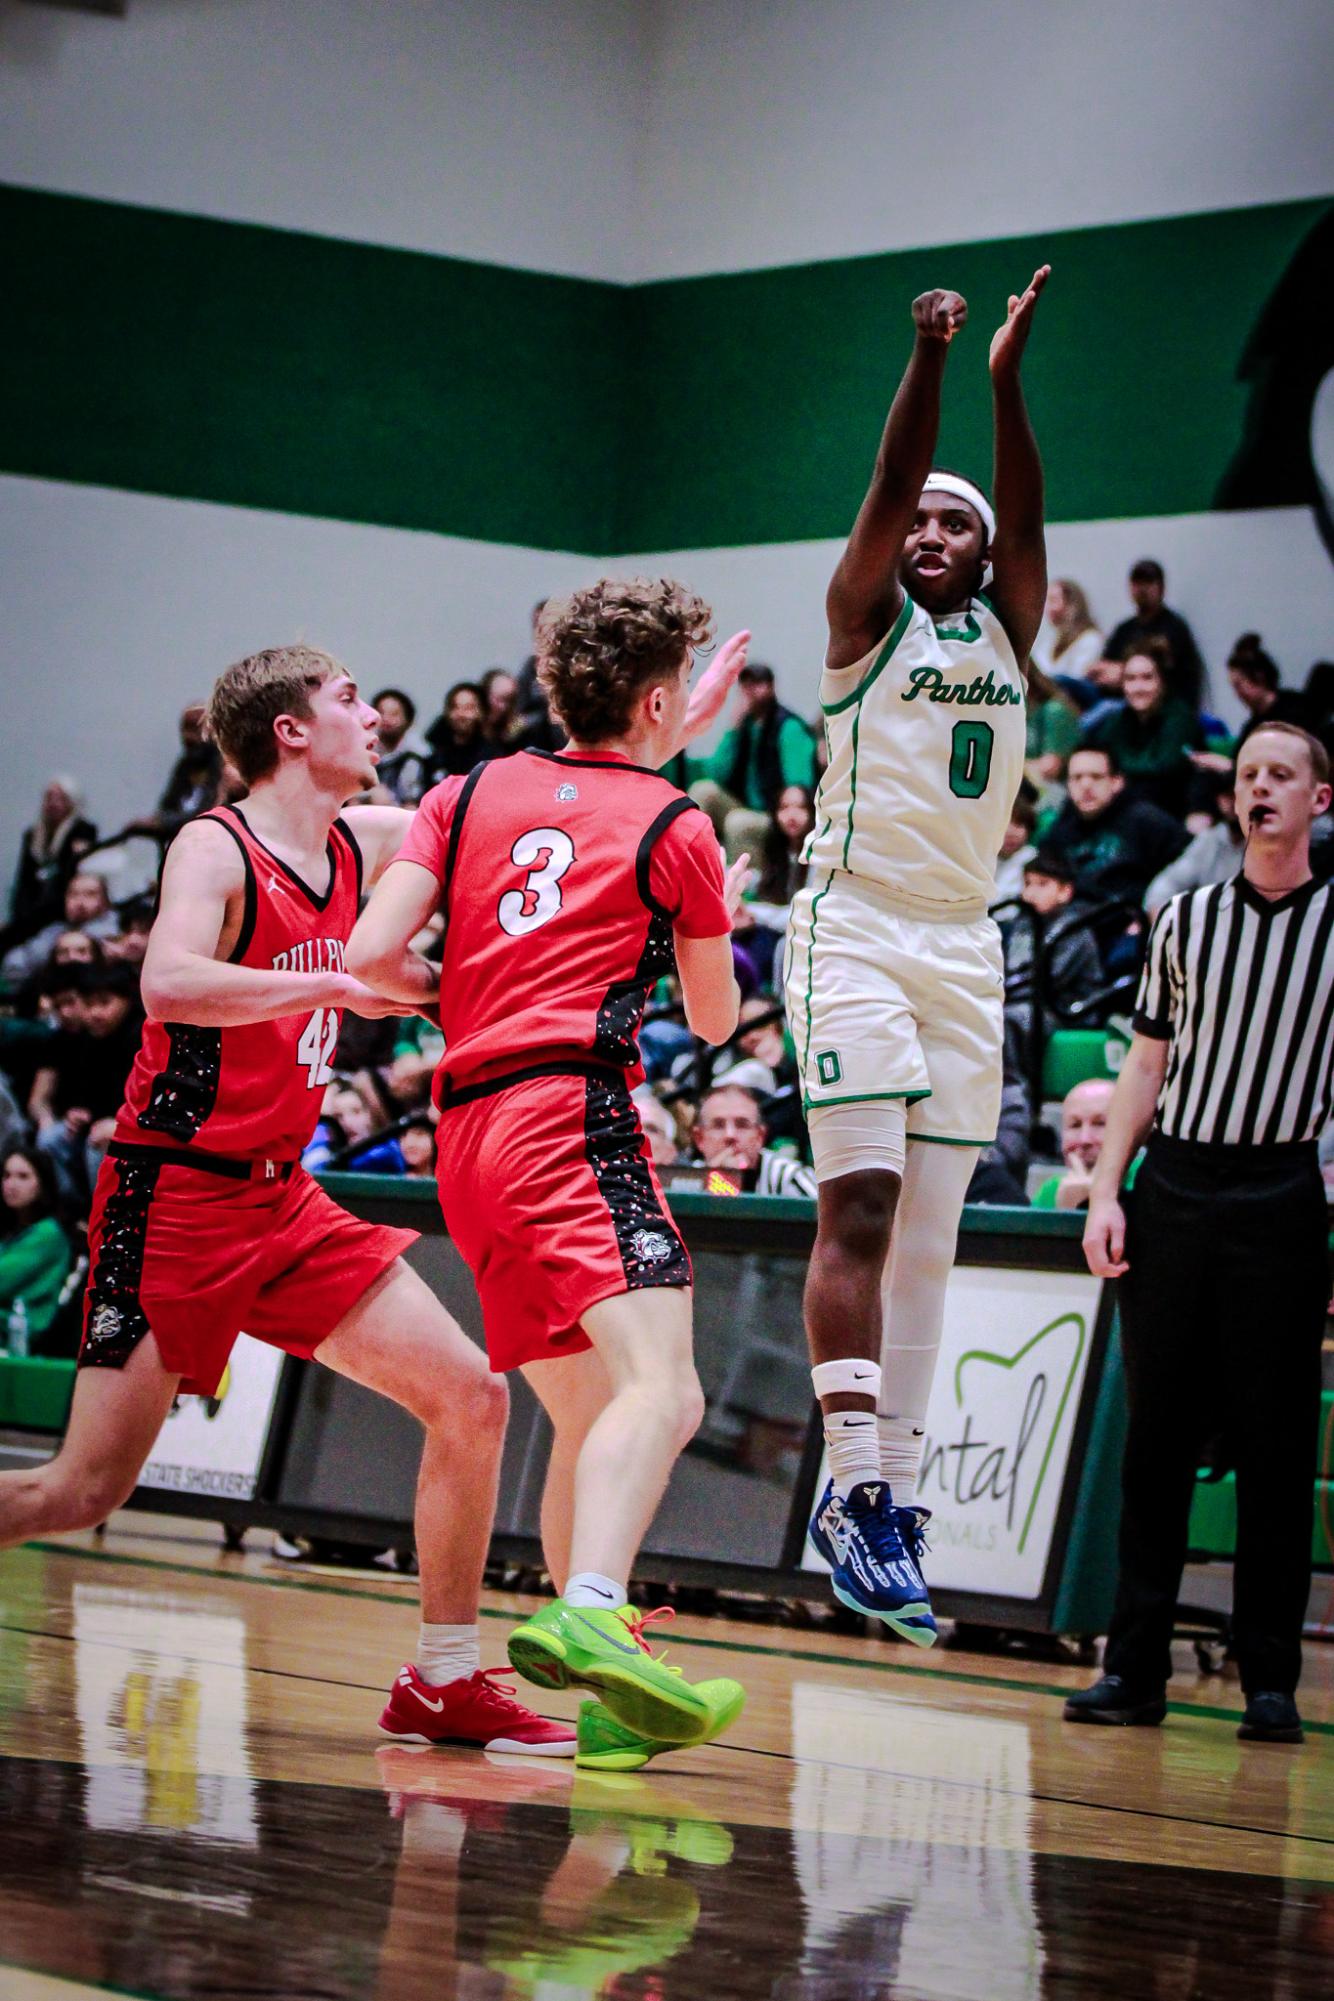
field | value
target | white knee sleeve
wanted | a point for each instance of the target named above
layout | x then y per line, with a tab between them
926	1233
868	1135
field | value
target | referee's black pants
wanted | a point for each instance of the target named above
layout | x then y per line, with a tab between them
1222	1317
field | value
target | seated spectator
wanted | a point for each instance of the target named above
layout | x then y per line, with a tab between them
49	854
416	1144
659	1126
729	1136
1153	734
1053	730
762	917
1153	620
758	1055
1115	844
35	1251
404	754
1072	964
193	785
1017	848
1069	642
35	1254
1083	1128
349	1137
999	1178
767	749
1213	856
1319	694
539	729
79	1086
502	718
457	737
130	944
86	910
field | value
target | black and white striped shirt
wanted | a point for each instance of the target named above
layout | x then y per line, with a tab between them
1243	989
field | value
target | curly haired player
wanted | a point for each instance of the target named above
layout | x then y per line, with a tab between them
570	882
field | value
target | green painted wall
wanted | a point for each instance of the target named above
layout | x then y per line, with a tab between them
264	368
219	361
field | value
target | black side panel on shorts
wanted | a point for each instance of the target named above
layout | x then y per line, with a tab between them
115	1322
651	1251
185	1092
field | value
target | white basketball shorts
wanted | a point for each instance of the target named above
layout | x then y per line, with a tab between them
881	1004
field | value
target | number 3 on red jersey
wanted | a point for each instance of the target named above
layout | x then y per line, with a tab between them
319	1039
546	853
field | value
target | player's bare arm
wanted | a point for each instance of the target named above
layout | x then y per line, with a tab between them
706	972
865	594
1129	1120
380	948
1019	549
186	974
379	832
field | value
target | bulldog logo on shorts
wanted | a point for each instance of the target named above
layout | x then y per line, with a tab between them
567	791
104	1324
650	1247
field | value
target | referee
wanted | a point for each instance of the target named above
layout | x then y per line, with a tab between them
1221	1245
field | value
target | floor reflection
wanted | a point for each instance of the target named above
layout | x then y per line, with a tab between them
433	1875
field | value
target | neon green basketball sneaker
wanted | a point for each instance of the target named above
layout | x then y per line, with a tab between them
606	1745
577	1645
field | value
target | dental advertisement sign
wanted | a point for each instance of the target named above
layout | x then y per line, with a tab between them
1013	1359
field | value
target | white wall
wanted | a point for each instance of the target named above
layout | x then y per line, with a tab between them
647	138
791	131
494	129
131	605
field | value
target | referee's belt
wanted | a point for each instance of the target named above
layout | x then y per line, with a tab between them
226	1164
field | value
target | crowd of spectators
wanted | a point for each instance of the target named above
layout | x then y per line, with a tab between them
1127	799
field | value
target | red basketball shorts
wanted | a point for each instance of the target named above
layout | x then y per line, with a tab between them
195	1259
549	1191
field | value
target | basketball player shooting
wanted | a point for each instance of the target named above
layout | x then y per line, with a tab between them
570	883
894	971
204	1222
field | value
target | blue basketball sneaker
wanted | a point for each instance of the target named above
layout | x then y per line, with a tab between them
879	1573
829	1527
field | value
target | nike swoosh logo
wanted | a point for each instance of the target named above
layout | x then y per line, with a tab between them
629	1648
426	1701
601	1594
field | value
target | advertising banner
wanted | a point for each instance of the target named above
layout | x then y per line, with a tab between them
214	1445
1006	1394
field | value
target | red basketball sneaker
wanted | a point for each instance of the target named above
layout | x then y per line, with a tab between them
473	1710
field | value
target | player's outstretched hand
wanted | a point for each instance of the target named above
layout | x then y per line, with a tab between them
715	685
1009	341
1105	1237
734	882
939	315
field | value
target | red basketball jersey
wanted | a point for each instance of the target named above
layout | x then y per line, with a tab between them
253	1091
562	880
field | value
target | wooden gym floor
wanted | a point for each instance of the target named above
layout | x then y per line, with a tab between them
194	1802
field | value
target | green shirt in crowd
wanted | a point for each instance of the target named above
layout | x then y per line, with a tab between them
34	1264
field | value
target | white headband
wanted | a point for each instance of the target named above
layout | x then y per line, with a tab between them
963	489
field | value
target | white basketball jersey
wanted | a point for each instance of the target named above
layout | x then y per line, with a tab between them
926	740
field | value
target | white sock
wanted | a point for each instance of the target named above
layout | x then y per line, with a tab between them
901	1456
446	1653
854	1448
590	1587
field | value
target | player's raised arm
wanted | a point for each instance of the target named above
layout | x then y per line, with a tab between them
187	974
865	594
1019	549
380	948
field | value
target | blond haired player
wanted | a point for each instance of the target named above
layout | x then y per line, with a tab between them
894	977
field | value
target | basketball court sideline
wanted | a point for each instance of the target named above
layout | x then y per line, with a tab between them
196	1801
